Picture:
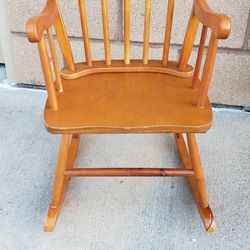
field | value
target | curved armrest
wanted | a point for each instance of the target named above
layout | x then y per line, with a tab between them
219	23
36	26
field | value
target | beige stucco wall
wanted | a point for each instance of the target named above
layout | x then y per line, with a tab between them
231	80
1	52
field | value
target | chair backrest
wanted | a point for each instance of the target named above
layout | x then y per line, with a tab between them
218	24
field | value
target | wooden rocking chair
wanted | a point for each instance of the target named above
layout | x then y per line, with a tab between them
128	96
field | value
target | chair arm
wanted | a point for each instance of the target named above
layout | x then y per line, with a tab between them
36	26
219	23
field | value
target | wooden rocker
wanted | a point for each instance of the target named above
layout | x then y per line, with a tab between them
128	96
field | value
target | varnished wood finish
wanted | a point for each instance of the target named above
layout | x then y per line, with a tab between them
47	73
64	41
36	26
136	171
85	33
66	157
208	69
55	61
205	212
126	31
169	22
220	24
196	163
146	30
61	166
199	57
188	40
153	66
129	96
106	31
60	186
126	103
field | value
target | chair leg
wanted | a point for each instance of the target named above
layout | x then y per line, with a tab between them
66	157
191	160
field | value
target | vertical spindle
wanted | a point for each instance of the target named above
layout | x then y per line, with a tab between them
63	41
146	30
47	73
126	31
199	56
106	32
188	40
208	69
168	30
55	61
84	24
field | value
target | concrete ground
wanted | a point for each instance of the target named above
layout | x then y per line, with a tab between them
2	73
119	213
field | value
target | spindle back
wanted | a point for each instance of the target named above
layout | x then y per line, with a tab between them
51	16
126	31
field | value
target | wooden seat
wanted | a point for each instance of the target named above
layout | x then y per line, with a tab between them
128	96
128	102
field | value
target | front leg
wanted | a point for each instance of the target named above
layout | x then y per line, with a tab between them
66	156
